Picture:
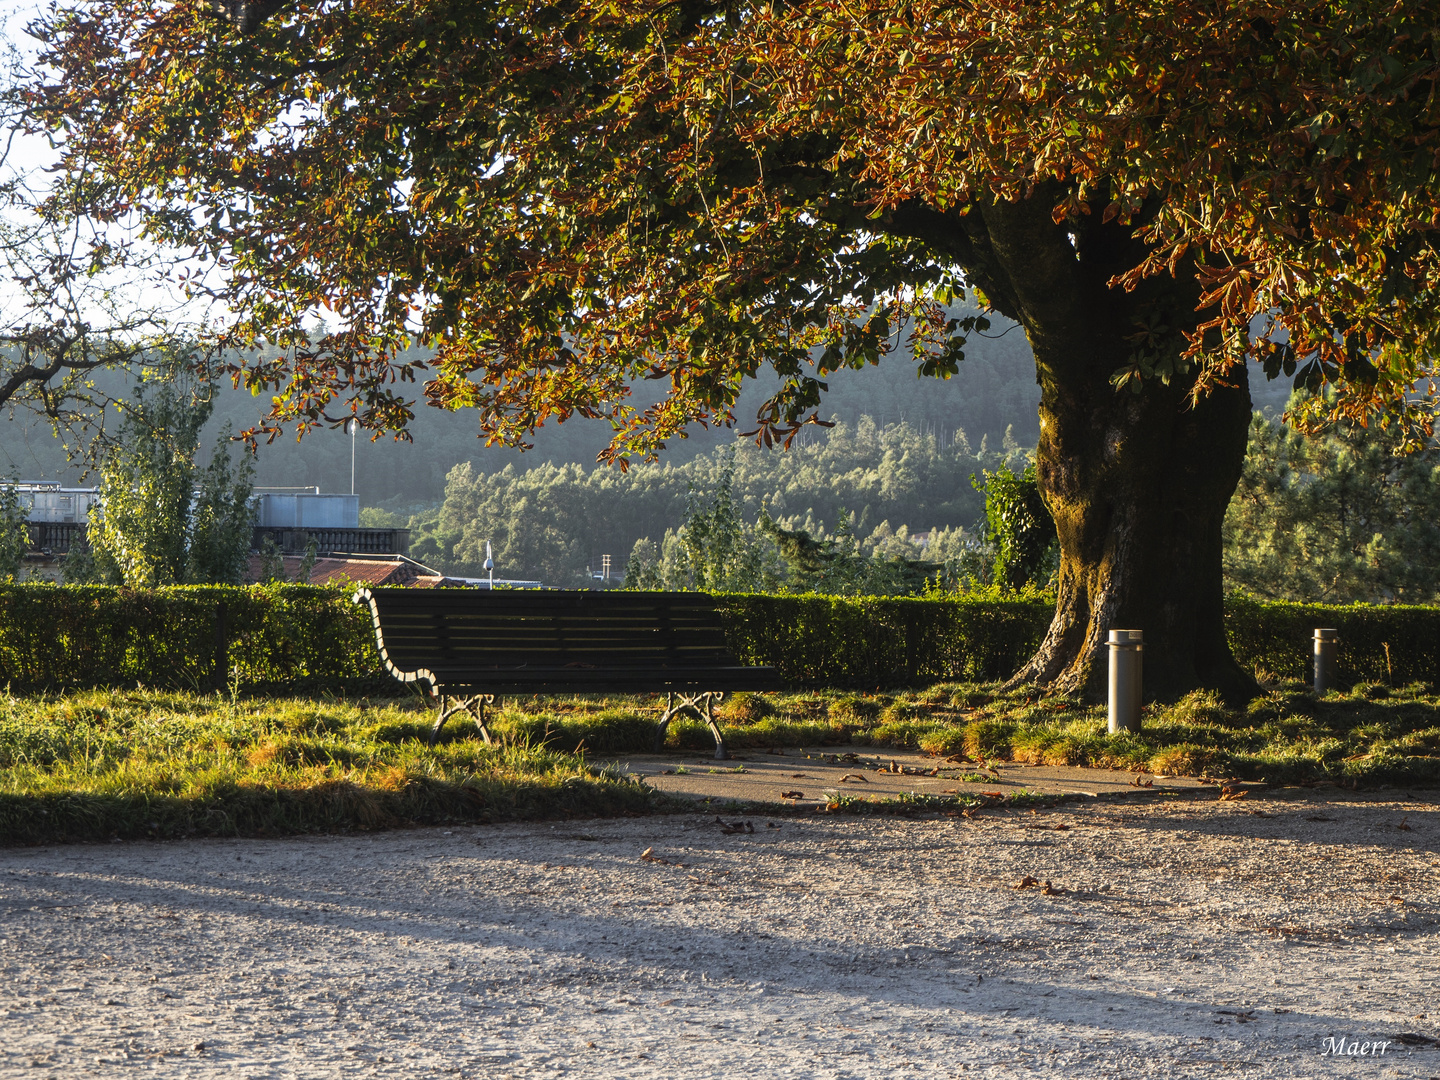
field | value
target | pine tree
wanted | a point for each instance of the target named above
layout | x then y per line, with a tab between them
1340	518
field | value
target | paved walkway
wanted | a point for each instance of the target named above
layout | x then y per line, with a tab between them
804	777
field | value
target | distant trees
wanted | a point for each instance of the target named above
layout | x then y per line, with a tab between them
715	550
164	518
877	487
1339	518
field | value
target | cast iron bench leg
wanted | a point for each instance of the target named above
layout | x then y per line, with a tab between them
472	706
702	707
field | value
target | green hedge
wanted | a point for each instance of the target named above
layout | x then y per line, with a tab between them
293	637
1378	643
870	642
304	639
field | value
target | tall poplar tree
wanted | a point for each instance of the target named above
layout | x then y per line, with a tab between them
164	519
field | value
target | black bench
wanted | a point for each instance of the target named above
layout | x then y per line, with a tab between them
472	645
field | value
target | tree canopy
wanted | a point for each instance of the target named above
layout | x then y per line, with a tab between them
563	198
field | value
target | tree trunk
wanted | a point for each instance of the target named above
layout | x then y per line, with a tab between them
1137	483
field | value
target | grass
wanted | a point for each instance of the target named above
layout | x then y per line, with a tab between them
112	764
129	764
1371	735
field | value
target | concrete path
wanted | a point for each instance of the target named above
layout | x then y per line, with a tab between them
805	777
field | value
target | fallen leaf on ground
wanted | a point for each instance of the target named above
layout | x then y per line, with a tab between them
1317	817
731	827
1403	826
1027	882
1260	813
1138	781
853	776
649	856
1052	890
1228	793
792	794
800	776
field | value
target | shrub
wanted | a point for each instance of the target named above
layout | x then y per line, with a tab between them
298	638
1392	643
870	642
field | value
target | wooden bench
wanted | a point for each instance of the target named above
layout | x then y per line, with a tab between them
472	645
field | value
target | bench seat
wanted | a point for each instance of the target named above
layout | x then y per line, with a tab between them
468	645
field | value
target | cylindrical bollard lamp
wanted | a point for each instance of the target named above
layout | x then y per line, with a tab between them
1126	679
1327	647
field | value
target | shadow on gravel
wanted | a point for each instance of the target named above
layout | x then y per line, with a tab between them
1022	973
1262	816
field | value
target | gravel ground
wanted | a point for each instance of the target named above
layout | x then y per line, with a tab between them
1183	938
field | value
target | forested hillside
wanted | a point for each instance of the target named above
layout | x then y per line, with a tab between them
553	521
897	464
994	390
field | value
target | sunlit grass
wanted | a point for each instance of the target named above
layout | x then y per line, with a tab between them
1371	735
104	764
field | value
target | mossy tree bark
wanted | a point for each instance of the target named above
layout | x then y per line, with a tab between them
1138	483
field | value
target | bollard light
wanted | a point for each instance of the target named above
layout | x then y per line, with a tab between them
1327	648
1126	679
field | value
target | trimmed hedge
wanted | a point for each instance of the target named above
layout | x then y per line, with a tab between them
298	638
1396	644
281	637
872	642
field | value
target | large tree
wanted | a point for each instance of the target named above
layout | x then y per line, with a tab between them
562	198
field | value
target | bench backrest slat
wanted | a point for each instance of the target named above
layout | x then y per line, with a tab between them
456	636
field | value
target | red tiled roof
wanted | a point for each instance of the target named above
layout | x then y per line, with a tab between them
341	571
